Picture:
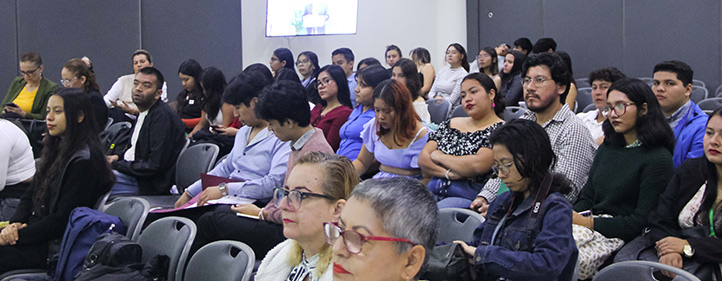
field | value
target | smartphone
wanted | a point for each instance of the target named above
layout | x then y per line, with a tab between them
215	128
11	104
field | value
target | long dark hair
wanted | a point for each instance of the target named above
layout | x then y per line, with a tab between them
313	58
193	69
462	52
57	150
652	128
494	61
710	193
413	77
532	153
214	83
80	69
284	54
488	85
339	77
519	59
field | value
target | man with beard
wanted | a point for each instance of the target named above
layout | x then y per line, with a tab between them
546	84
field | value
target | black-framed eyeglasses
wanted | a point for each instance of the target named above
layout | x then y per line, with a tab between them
619	109
352	240
537	81
324	82
29	72
300	62
294	197
503	168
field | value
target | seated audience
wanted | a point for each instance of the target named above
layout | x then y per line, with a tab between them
148	166
120	95
672	87
682	227
488	64
286	74
216	115
511	77
258	158
72	173
344	57
422	58
307	64
523	45
601	80
630	171
191	99
380	234
367	62
281	58
527	234
448	81
395	137
546	44
28	94
17	167
405	72
283	107
546	80
335	108
77	74
392	55
458	156
324	182
350	133
572	95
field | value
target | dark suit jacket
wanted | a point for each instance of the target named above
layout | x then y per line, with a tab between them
160	140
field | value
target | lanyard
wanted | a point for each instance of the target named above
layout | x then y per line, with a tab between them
711	223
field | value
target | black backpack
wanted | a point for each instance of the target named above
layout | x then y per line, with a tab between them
113	249
117	143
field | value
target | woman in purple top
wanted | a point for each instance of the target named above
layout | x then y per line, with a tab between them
368	78
395	137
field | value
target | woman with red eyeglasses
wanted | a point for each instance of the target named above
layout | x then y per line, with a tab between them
315	192
384	232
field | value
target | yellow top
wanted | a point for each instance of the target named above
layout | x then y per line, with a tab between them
25	99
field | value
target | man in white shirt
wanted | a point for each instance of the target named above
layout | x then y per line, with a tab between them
120	95
601	80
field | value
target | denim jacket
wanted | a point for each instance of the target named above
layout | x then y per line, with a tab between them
526	248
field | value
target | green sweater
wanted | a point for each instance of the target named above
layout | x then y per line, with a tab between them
40	103
625	183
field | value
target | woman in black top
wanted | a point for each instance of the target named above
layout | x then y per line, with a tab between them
72	173
77	74
190	99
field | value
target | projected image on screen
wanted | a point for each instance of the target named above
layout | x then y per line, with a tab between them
310	17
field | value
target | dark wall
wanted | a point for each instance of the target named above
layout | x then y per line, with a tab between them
630	35
109	31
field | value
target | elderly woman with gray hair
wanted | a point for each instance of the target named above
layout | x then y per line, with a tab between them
382	236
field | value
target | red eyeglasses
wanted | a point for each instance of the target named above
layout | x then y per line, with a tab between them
352	240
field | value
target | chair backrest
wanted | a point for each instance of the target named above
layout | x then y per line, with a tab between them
589	107
710	104
171	236
115	128
584	98
110	122
647	80
640	270
582	82
718	91
458	112
457	224
220	160
438	109
221	260
101	201
132	211
513	112
700	83
194	161
698	93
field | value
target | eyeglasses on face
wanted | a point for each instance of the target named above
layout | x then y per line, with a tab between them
537	81
324	82
352	240
503	168
294	197
302	62
620	109
66	82
29	72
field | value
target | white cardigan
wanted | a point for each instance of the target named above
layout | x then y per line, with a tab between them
275	268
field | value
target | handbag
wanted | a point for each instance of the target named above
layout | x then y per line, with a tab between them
447	262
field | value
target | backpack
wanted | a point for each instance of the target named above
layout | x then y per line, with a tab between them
155	269
116	144
84	226
113	249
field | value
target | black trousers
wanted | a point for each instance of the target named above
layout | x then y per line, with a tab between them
224	224
34	256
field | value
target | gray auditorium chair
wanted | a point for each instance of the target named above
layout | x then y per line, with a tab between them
640	271
584	98
438	109
171	236
698	94
589	107
194	161
457	224
513	112
582	82
221	260
458	112
710	104
132	211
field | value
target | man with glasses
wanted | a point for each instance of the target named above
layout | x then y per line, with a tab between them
28	94
672	87
120	95
344	57
546	84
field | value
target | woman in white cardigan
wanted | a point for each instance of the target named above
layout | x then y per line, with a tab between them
315	192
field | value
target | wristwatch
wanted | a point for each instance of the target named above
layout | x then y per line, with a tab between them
688	251
224	188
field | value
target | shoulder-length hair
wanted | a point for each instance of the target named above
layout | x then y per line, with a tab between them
652	129
313	58
464	57
214	83
57	150
494	67
398	97
710	193
193	69
413	77
339	77
519	59
488	85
